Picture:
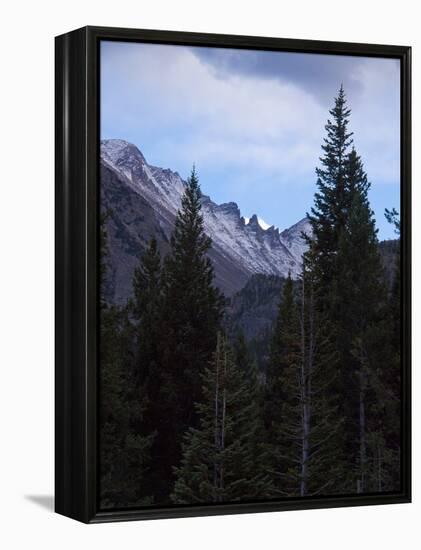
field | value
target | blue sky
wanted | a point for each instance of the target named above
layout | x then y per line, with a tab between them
252	121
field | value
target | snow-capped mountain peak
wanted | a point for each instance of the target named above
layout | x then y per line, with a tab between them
260	221
161	187
119	151
263	224
240	245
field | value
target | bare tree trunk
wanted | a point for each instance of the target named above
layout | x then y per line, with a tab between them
304	398
216	436
308	362
224	408
362	423
305	451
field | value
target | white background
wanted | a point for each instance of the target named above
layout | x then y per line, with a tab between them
26	272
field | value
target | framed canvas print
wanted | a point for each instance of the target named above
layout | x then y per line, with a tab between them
232	274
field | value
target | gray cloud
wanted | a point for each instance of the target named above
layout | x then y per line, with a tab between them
253	121
319	75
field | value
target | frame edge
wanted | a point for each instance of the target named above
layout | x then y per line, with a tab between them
76	250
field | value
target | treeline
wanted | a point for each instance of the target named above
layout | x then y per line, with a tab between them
186	416
334	376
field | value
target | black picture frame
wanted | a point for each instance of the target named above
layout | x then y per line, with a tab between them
76	237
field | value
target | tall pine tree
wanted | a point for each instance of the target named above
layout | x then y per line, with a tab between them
332	200
303	422
363	331
349	279
284	343
191	316
247	364
146	308
219	461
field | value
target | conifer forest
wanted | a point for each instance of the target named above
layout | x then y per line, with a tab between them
286	385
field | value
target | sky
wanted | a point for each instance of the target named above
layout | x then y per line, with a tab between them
252	121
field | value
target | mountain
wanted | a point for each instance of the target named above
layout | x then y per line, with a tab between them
252	312
254	308
142	201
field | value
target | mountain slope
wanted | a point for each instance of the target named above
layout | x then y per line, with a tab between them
144	200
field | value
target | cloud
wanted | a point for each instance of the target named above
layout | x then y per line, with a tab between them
319	74
238	121
250	120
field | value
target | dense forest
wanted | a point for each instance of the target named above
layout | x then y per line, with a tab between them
195	408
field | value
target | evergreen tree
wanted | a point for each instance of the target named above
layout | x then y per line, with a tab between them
247	364
284	343
332	200
103	258
279	394
191	316
351	291
392	217
303	422
219	461
146	308
124	445
364	335
385	461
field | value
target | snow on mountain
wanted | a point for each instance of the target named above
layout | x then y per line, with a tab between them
263	224
293	237
163	188
240	246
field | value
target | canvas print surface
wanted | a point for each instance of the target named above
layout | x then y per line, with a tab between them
249	275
